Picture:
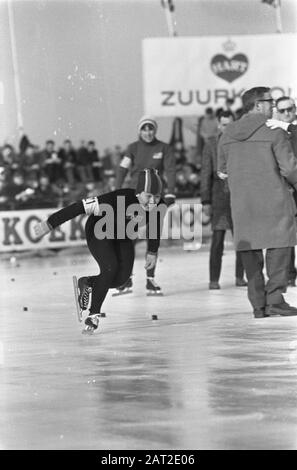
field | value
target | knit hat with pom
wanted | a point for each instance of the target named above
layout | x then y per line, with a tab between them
147	120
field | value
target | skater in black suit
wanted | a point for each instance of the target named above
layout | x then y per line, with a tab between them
113	223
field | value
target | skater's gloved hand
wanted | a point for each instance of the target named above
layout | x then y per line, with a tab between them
151	260
275	123
207	210
169	199
41	229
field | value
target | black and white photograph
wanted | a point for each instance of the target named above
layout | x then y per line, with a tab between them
148	224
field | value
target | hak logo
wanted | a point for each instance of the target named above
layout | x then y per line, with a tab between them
229	68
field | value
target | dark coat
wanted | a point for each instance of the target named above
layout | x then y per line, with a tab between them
215	191
293	139
261	166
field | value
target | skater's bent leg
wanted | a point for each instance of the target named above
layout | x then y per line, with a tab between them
105	255
150	272
125	253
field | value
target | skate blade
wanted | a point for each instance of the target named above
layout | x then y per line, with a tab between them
154	294
87	332
78	309
128	291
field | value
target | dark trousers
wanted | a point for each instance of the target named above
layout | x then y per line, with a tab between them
149	272
115	259
292	270
276	259
216	254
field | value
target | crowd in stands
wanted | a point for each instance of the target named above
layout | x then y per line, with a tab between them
33	177
42	178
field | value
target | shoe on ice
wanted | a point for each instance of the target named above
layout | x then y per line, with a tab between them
91	322
214	285
152	287
282	309
125	288
84	291
260	313
127	285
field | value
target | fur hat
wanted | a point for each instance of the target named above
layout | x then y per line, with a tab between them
147	120
149	181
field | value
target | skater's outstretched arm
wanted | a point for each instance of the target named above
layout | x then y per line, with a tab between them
89	206
58	218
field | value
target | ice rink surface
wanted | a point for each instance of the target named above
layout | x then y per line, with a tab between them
206	375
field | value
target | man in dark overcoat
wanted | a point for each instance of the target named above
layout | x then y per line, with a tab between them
215	198
261	167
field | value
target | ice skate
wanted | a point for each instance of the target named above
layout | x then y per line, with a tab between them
152	287
91	322
82	293
124	288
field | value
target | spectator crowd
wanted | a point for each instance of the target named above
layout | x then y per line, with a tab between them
33	177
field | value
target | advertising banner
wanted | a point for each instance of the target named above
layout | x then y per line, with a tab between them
17	234
184	75
182	221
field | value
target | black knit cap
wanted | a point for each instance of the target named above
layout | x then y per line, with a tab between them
149	181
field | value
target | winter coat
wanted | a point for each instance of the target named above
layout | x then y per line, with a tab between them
261	168
215	191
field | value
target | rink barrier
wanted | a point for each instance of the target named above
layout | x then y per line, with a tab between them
17	234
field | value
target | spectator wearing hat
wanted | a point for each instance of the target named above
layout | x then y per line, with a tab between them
148	152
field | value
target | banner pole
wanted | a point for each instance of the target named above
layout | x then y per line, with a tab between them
170	17
278	18
15	66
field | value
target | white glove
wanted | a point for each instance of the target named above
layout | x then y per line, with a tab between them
41	229
222	176
275	123
151	260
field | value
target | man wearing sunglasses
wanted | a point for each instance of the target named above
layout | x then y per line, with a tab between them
287	120
261	167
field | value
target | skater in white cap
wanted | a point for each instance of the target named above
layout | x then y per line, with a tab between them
148	152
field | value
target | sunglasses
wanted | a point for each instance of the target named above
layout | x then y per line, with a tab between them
290	109
270	100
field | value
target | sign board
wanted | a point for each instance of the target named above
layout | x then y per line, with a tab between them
184	75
